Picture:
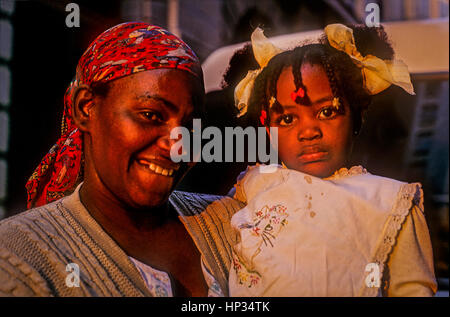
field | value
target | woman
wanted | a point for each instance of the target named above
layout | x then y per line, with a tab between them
100	194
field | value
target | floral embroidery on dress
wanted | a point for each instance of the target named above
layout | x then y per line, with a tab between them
266	224
268	221
245	276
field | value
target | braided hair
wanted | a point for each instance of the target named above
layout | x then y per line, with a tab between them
345	78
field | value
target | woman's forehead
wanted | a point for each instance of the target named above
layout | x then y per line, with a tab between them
175	89
171	81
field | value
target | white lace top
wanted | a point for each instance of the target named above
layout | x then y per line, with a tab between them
352	234
159	285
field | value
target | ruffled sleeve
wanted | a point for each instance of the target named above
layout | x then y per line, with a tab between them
410	270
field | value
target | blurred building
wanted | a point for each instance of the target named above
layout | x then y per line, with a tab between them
209	24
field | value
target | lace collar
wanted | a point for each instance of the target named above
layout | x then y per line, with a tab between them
345	172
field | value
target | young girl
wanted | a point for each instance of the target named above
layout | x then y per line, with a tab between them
316	226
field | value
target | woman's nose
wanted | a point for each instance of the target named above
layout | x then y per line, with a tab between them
172	127
164	141
309	129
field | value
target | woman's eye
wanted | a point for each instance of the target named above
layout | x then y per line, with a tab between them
286	119
152	116
327	113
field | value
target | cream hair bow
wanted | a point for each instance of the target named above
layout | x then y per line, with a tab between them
378	74
263	50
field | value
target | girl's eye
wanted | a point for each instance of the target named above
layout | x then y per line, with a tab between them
286	119
327	113
153	116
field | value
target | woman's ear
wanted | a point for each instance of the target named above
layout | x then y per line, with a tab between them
83	103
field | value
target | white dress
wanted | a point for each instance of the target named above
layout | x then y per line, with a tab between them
340	236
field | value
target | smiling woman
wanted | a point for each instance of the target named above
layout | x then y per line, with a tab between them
100	194
127	135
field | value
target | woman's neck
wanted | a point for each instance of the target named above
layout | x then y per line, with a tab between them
135	231
155	237
106	208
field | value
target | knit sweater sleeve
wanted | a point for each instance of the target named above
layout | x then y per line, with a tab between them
17	278
33	256
37	246
19	274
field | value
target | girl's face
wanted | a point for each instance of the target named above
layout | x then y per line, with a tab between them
314	139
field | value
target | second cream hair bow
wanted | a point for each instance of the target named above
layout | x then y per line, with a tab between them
378	74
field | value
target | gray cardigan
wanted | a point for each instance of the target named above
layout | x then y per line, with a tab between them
37	245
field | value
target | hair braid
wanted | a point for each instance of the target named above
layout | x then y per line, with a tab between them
272	85
297	58
259	93
337	92
329	70
297	61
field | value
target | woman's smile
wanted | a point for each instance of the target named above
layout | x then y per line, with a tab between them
158	164
156	168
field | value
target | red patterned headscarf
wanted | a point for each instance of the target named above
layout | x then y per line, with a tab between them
123	50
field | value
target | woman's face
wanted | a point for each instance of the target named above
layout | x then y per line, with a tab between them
129	137
314	139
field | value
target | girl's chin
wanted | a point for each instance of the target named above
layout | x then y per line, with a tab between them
317	169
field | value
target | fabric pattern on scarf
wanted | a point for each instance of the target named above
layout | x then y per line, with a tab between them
122	50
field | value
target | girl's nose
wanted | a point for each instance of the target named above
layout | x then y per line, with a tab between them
309	130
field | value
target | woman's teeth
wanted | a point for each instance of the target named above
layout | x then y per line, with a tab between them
156	168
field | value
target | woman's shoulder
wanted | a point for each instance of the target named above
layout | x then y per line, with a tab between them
35	231
22	236
38	233
27	220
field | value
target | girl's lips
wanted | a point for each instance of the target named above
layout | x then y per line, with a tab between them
313	157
